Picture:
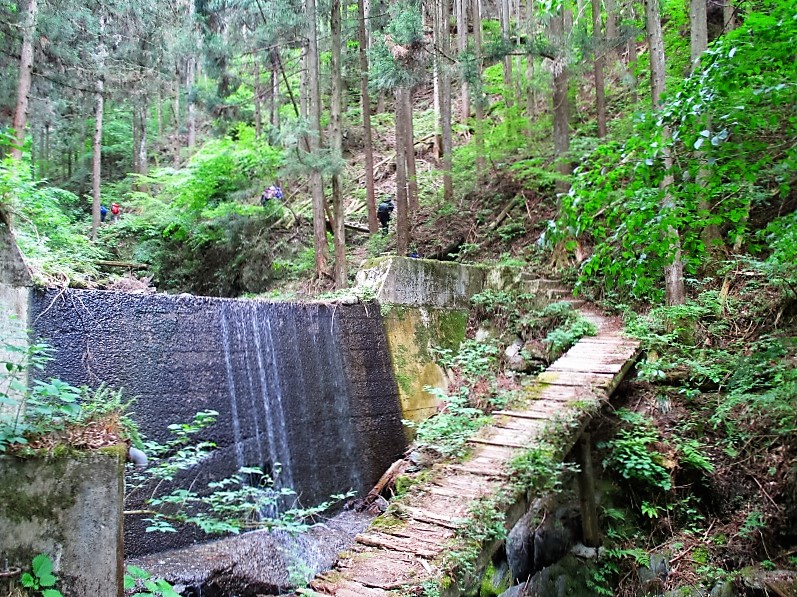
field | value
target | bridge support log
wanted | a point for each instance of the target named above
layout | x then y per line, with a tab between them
586	492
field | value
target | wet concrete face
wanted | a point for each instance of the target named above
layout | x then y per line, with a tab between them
308	386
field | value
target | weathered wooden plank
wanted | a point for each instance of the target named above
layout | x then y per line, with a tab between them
485	470
394	543
387	570
341	587
432	517
503	444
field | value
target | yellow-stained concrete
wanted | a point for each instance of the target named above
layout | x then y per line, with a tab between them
412	335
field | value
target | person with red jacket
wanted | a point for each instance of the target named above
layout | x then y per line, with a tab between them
115	211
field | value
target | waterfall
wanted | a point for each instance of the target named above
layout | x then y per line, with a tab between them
303	387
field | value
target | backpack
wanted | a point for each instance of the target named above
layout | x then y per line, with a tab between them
384	208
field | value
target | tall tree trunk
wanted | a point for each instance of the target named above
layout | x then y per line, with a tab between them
673	273
698	26
631	57
190	81
96	168
462	45
275	89
531	99
561	112
370	195
445	100
176	132
612	40
409	148
258	96
141	149
728	16
159	112
478	91
24	80
600	96
336	140
402	219
505	17
134	132
314	109
432	13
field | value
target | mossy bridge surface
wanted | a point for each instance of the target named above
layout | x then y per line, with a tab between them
413	542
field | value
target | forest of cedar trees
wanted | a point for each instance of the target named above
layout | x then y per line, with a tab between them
644	153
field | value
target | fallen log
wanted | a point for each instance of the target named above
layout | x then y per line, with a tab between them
129	264
388	478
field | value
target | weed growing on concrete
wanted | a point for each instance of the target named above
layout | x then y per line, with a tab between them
447	432
41	579
52	413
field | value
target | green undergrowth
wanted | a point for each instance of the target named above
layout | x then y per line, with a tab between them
702	451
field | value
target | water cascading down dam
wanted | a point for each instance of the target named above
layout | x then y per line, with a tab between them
307	388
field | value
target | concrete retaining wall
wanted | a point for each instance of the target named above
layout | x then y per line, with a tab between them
69	508
426	305
15	285
308	386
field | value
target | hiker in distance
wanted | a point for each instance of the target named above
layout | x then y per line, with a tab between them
383	214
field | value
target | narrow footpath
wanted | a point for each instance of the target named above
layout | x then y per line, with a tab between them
558	404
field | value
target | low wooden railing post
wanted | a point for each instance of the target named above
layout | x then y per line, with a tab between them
586	493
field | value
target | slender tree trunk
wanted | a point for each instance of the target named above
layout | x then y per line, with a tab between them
462	45
728	16
258	96
409	148
159	112
96	169
336	140
370	195
508	92
673	273
478	92
190	81
314	107
561	112
134	132
631	57
47	128
275	89
433	14
176	132
445	101
531	99
141	149
402	220
304	86
600	96
698	25
24	80
612	40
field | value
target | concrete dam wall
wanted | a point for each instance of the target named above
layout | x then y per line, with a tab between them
308	386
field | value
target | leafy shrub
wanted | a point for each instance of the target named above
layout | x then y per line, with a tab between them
632	456
448	431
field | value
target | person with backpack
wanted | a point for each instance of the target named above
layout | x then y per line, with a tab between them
103	213
272	192
115	211
383	214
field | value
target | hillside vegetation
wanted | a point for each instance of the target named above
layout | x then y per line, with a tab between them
649	160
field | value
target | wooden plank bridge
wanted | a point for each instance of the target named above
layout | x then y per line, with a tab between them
407	552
